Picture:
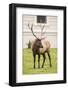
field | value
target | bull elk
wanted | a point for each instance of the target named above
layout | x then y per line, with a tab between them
40	46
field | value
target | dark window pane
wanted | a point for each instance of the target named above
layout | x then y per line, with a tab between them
41	19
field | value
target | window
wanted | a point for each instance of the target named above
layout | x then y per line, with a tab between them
41	19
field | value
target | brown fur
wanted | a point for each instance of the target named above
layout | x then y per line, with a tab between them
40	47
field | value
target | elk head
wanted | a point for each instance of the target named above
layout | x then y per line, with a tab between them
38	43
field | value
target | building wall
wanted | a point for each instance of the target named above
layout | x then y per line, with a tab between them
50	29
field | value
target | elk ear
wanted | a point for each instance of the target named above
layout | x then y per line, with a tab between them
43	38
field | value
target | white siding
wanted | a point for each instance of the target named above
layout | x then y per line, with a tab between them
50	28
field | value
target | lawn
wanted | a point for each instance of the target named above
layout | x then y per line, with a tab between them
28	63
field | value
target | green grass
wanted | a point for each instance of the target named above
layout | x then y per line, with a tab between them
28	63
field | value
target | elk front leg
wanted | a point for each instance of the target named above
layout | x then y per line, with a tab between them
34	60
38	61
43	60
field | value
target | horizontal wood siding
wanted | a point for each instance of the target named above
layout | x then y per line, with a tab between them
50	29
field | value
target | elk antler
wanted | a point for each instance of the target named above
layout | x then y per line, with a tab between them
42	28
42	31
32	30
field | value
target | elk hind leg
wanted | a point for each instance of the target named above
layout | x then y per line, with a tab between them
49	58
43	60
